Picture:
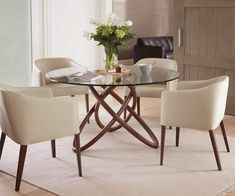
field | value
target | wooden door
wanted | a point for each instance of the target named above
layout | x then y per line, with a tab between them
204	44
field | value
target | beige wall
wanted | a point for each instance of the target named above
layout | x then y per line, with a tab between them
150	18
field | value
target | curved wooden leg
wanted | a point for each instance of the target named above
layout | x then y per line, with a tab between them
109	126
53	148
224	135
213	142
125	110
23	150
132	113
117	118
177	138
121	101
3	137
163	134
78	153
138	105
87	104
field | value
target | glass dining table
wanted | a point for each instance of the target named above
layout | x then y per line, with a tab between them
130	77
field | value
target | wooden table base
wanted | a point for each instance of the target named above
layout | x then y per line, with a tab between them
109	90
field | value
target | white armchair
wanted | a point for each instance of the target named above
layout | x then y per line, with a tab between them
45	65
32	115
155	90
197	105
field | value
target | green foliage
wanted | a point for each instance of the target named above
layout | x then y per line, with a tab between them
111	35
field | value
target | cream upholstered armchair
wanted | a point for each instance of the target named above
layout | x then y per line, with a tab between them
45	65
32	115
197	105
155	90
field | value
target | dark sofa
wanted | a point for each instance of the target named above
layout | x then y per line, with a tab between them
153	47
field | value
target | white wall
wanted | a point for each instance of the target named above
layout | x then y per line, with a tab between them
67	20
15	42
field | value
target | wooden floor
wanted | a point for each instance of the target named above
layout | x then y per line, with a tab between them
150	109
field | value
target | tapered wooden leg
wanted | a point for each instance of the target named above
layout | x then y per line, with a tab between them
163	133
177	138
224	135
125	110
78	153
87	104
53	149
170	127
215	150
23	150
138	106
3	137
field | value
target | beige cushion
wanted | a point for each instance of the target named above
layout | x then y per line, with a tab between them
196	104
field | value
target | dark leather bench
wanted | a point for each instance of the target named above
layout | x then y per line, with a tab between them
153	47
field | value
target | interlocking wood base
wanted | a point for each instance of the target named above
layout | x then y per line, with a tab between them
116	116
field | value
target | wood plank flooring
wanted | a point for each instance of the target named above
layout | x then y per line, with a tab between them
150	109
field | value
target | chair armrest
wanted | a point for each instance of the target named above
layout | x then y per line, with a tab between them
172	85
185	85
43	91
190	109
42	79
37	119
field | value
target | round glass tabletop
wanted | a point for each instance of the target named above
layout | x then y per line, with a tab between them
131	75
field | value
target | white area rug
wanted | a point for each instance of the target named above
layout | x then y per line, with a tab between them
120	165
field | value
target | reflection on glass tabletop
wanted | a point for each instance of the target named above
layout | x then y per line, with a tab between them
130	75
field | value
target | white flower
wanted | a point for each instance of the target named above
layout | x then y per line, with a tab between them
111	17
128	23
87	35
94	21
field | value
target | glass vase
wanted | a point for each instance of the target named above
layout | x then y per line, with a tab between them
111	58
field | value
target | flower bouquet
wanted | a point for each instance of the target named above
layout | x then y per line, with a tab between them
110	36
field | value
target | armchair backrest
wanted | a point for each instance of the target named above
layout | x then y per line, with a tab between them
160	62
217	90
45	65
30	119
165	64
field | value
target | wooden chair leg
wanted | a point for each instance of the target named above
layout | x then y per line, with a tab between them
78	153
138	106
125	110
170	127
177	138
23	150
215	150
2	141
53	148
163	133
87	104
224	135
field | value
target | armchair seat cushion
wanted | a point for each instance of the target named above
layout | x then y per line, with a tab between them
60	89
